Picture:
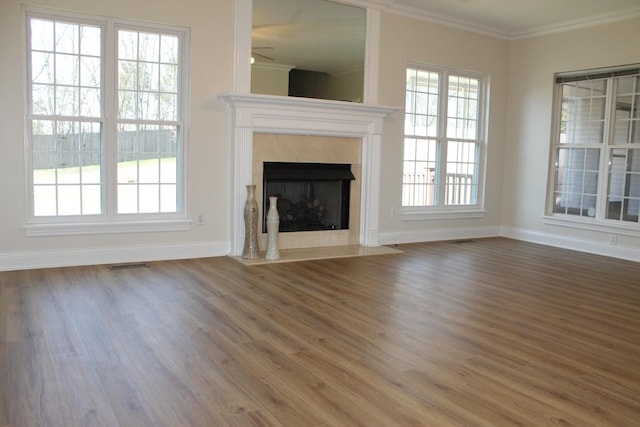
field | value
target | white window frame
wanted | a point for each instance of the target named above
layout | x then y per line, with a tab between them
598	221
109	221
442	211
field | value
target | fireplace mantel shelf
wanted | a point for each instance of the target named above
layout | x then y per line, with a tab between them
289	102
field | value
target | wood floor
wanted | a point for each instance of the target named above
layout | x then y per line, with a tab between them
491	332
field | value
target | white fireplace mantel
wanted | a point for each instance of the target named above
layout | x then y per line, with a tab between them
252	113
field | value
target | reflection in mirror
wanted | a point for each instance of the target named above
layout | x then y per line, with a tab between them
308	48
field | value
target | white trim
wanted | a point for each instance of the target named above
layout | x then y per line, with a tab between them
411	214
435	235
105	227
573	243
609	227
243	20
112	255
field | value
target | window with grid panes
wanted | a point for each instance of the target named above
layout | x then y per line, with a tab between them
596	147
443	139
106	131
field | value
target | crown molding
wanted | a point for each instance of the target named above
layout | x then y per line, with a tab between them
393	7
576	24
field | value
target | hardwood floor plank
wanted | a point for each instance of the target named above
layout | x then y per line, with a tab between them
486	332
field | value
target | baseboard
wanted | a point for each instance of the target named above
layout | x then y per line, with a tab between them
112	255
572	243
437	235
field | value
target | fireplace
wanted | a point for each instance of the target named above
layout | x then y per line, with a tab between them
329	124
311	196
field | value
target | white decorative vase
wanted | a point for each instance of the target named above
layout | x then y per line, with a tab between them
273	224
250	250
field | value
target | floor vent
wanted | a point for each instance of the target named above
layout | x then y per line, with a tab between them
464	241
128	266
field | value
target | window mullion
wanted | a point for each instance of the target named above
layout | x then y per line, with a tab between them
110	95
605	153
442	140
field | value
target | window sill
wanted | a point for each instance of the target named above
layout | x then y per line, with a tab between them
42	229
593	225
412	214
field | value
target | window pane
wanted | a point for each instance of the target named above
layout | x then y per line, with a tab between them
169	49
576	184
627	112
67	69
127	199
42	67
149	47
146	157
148	76
462	108
583	110
42	35
168	107
67	38
623	197
91	200
169	78
127	105
90	41
44	200
42	99
127	75
69	200
421	103
461	186
149	198
90	104
90	72
418	183
148	88
67	101
127	45
168	198
66	156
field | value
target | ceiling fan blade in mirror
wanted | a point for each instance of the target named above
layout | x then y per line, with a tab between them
263	56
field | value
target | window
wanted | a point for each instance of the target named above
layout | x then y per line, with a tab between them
596	147
106	131
443	140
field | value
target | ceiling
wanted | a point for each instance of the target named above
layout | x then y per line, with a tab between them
332	41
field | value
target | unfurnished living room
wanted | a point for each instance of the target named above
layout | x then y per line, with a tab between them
320	213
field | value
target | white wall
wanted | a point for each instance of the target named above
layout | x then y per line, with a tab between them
404	40
532	65
521	83
268	79
208	156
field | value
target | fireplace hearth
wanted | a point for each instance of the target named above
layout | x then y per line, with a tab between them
311	196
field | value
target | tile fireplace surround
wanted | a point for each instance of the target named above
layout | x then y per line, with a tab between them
264	114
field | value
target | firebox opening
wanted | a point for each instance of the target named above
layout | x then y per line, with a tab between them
311	196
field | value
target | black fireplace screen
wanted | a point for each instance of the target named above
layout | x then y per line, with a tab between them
311	196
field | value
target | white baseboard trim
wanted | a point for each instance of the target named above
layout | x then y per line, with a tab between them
112	255
390	238
581	245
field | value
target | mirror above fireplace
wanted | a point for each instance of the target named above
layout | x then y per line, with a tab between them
308	48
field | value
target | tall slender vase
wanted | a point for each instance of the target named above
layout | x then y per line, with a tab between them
273	224
250	250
